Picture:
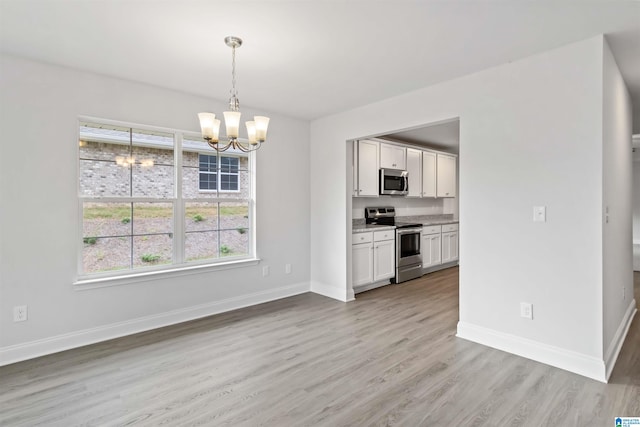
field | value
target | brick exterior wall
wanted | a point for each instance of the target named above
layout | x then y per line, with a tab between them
101	176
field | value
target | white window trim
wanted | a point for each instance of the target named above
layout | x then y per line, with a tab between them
145	276
179	267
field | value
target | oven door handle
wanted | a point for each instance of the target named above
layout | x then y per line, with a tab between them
409	231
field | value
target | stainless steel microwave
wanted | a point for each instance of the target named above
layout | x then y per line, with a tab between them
394	182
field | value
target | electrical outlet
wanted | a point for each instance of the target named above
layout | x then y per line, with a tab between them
526	310
265	271
20	313
287	268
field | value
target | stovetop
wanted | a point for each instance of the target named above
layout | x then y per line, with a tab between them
386	216
400	224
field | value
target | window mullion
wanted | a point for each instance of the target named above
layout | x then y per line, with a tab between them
178	204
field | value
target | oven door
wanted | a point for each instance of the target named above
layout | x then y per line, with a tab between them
408	246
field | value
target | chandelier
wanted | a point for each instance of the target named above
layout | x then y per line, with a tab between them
210	126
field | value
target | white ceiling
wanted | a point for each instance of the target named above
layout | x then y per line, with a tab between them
308	59
442	136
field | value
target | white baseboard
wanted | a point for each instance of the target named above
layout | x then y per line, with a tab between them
618	339
32	349
588	366
334	292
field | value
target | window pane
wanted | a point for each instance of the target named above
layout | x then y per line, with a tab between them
152	147
103	142
104	179
152	250
121	162
201	216
234	243
228	182
153	181
229	164
198	159
234	186
106	254
106	219
234	216
208	181
152	218
201	245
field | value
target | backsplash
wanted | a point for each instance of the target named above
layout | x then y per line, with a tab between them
406	206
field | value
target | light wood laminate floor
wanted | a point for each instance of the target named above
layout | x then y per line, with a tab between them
389	358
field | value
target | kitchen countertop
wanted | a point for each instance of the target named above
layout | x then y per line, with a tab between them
359	226
429	219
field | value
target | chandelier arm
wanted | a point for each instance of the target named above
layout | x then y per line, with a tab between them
246	148
217	146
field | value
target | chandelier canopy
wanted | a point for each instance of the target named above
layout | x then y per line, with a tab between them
210	126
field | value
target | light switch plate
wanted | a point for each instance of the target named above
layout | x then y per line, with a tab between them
539	214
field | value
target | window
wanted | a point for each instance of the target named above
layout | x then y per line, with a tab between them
226	176
135	215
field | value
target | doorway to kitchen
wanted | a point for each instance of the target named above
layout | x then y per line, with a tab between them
425	159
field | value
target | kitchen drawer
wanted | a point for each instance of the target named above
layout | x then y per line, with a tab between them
431	229
449	227
379	236
366	237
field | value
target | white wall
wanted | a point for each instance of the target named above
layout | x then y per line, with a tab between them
530	134
39	108
636	198
617	204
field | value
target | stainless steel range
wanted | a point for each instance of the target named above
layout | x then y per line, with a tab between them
408	255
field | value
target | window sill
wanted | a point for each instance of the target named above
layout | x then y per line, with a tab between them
102	282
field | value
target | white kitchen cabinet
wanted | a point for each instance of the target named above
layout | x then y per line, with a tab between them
393	157
414	167
446	172
362	263
431	246
429	176
384	257
354	168
449	243
373	257
367	169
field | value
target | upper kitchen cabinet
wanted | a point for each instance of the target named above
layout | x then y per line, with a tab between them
446	171
366	168
414	167
429	175
393	157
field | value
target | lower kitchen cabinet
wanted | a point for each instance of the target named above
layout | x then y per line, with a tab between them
373	257
362	263
449	243
431	246
384	260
